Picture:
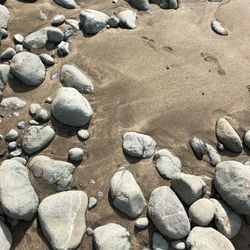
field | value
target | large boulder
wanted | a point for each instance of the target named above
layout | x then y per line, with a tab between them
93	21
73	77
37	138
17	196
67	4
201	238
138	145
54	172
62	218
232	181
228	136
188	187
4	17
5	237
111	237
28	68
71	108
166	163
168	214
4	75
126	194
226	220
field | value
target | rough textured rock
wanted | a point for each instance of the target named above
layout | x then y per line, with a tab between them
53	171
4	16
13	103
28	68
126	194
201	212
218	28
36	138
188	187
5	237
138	145
93	21
71	108
73	77
111	237
4	75
158	242
127	19
232	181
226	220
68	4
168	214
228	136
166	163
140	4
201	238
18	198
62	218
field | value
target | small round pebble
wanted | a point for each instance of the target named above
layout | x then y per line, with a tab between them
142	223
92	202
83	134
12	135
4	33
75	154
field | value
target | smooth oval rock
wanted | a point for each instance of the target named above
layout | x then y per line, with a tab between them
83	134
4	75
140	4
8	54
168	214
246	136
28	68
158	242
5	237
4	16
127	19
47	59
68	4
75	154
38	113
55	35
142	223
58	20
71	108
218	28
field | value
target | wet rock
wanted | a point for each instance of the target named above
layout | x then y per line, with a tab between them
113	22
54	172
63	49
18	198
62	218
218	28
47	59
58	20
68	4
55	35
142	223
207	238
140	4
28	68
232	183
226	220
126	194
168	214
138	145
71	108
111	237
37	138
127	19
13	103
4	74
18	38
92	202
166	163
93	21
12	135
75	154
158	242
5	237
4	16
8	54
83	134
38	113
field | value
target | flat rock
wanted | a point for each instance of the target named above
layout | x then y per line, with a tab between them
62	218
201	238
18	198
218	28
226	220
37	138
53	171
13	103
138	145
4	16
111	237
4	75
127	19
166	163
28	68
140	4
126	195
71	108
158	242
73	77
68	4
232	181
188	187
5	237
228	136
168	214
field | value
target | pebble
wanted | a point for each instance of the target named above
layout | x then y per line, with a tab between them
127	19
4	16
142	223
73	23
83	134
12	135
18	38
4	72
68	4
16	153
55	35
92	202
68	32
75	154
158	242
12	145
47	59
38	113
63	49
140	4
178	245
58	20
113	22
8	54
13	103
19	48
218	28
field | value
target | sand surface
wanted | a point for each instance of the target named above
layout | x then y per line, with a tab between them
171	78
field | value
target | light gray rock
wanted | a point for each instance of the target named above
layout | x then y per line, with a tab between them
166	163
198	147
246	136
201	212
4	33
38	113
37	138
138	145
4	75
18	38
13	103
83	134
4	16
127	19
188	187
158	242
12	135
92	202
19	48
213	154
28	68
21	125
178	245
5	237
58	20
228	136
218	28
126	194
20	159
12	145
75	154
8	54
71	108
18	198
226	220
63	49
232	180
168	214
93	21
73	77
113	22
111	237
142	223
55	35
201	238
47	59
15	153
54	172
73	23
140	4
62	218
68	4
